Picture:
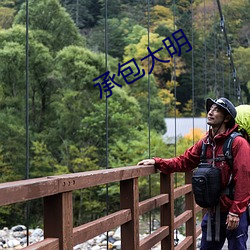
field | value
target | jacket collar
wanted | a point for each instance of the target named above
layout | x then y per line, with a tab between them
221	136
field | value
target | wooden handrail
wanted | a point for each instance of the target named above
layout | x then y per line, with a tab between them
56	191
24	190
91	229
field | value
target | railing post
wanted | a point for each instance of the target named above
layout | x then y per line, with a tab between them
129	198
167	210
190	205
58	219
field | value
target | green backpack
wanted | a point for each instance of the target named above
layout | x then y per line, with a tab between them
243	120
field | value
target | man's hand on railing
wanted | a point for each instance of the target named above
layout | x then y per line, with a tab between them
146	162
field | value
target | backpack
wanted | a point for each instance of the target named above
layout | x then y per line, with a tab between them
206	179
206	185
243	120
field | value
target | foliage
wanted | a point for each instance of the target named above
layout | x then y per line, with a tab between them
53	25
84	13
118	30
71	129
242	63
6	17
42	163
13	149
161	16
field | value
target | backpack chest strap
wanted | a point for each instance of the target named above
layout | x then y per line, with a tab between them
217	159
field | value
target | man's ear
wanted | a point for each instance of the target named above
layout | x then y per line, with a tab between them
228	118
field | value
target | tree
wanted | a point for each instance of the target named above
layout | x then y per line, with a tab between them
237	20
161	17
53	25
6	17
42	162
163	71
242	64
84	13
40	60
117	31
12	125
80	111
13	148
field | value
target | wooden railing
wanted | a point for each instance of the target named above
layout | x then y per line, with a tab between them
59	232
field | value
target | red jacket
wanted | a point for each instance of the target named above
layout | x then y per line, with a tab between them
241	167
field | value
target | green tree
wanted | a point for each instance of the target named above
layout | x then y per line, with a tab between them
53	25
84	13
6	17
242	63
115	38
40	60
42	163
237	13
13	148
12	125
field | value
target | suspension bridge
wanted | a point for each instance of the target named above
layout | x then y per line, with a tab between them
59	233
56	192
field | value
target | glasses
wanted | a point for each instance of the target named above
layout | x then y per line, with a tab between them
221	102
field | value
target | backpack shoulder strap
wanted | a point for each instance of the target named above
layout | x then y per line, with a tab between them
203	152
227	148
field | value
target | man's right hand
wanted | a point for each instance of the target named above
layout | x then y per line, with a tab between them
146	162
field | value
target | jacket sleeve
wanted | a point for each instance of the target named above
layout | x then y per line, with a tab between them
241	175
185	162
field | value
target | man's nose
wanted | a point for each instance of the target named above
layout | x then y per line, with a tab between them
211	110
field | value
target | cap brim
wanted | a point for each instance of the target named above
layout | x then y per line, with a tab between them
209	103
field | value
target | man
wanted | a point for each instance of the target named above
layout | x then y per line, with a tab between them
221	115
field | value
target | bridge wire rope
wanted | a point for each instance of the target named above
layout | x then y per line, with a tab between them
176	240
215	51
222	68
192	71
236	82
221	60
205	53
205	49
149	120
77	13
27	204
106	108
229	81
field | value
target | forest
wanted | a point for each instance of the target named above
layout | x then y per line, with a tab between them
67	44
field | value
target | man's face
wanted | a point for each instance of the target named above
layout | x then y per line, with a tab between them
215	116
